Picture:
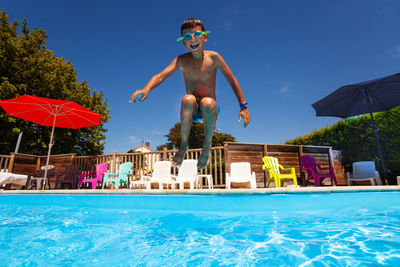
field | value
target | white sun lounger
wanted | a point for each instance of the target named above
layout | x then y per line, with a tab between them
12	178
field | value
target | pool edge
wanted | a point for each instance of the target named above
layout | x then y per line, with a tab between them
282	190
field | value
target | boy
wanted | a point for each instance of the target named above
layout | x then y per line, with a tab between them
199	69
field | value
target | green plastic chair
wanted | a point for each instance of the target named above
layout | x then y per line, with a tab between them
121	177
272	165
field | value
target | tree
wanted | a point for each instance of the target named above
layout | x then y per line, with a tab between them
196	137
219	139
28	67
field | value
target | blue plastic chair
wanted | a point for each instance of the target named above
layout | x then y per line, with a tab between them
120	177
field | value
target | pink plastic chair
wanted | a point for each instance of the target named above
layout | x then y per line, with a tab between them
95	177
308	164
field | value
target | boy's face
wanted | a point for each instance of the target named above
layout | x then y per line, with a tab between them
196	44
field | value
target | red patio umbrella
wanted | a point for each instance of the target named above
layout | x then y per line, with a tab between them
50	112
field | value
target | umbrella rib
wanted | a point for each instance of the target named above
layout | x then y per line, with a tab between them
73	111
343	96
48	116
81	117
379	101
80	110
31	110
72	123
378	90
67	110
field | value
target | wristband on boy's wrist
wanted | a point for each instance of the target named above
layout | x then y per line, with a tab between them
244	105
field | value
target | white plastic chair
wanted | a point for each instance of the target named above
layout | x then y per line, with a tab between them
161	176
241	173
364	171
187	173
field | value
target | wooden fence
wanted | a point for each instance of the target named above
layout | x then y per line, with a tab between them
288	156
143	163
4	163
28	164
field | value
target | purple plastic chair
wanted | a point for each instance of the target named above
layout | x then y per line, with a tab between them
308	164
95	177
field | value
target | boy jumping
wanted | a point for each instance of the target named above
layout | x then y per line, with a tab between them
199	69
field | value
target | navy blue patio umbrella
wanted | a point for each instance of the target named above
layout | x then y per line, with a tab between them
361	98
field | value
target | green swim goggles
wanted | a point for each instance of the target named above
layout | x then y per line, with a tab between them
188	35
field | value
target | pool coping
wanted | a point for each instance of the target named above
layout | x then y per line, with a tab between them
281	190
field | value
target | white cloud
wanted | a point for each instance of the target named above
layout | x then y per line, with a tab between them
134	139
227	23
152	132
284	89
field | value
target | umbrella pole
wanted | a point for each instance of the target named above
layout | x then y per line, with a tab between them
18	142
48	153
379	149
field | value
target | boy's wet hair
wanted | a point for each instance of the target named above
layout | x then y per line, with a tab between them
190	23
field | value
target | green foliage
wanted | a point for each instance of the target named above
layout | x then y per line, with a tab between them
28	67
196	137
355	138
219	139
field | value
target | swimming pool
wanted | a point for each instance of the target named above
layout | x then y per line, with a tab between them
353	229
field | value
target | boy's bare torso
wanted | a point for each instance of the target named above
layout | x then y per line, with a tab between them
199	74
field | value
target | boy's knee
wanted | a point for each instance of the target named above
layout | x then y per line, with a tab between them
208	102
189	99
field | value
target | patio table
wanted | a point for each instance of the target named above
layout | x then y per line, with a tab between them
209	178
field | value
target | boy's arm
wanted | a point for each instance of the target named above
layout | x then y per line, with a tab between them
155	81
226	71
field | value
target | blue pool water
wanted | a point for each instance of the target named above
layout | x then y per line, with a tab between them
337	229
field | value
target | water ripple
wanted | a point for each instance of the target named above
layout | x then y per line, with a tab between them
70	236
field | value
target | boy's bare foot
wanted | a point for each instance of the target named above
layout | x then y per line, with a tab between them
202	161
178	158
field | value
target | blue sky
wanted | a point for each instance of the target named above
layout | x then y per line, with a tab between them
286	55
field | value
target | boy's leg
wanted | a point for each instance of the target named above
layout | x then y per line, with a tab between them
208	108
189	105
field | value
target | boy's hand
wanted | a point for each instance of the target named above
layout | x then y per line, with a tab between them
139	94
244	113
